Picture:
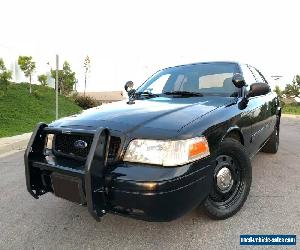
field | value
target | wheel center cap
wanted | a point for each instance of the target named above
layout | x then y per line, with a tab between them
224	179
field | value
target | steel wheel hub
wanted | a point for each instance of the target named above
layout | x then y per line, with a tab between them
224	179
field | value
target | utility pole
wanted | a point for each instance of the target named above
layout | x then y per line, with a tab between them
56	87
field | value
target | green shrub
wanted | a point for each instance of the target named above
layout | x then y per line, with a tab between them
37	94
85	102
291	109
73	96
296	104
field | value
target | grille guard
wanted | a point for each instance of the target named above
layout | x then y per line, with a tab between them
93	176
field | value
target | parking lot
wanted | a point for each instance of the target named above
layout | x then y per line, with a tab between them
273	207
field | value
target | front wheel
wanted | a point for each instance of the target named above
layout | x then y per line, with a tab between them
231	180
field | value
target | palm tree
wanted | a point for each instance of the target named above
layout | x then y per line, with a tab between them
87	69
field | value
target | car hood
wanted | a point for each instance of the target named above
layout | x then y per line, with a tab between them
159	113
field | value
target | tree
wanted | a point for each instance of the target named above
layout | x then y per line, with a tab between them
278	91
27	66
293	89
60	78
43	79
66	79
87	69
5	75
69	78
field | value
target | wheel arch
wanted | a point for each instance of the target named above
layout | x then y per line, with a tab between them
235	133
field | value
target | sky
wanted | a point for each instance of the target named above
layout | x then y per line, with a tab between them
130	40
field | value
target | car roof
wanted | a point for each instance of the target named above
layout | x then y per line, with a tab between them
205	62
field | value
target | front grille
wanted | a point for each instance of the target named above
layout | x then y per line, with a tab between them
64	144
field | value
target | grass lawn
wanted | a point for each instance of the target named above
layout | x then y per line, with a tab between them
293	109
20	111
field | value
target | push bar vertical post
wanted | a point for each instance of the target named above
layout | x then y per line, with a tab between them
94	173
35	145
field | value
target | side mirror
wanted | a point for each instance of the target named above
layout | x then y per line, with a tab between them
129	88
259	88
238	80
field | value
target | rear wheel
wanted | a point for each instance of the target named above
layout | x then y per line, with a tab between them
231	180
273	143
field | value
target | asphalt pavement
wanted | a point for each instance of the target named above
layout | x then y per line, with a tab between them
273	207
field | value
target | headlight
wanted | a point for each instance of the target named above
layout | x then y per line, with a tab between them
167	153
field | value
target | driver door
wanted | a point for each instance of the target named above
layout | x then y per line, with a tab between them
255	113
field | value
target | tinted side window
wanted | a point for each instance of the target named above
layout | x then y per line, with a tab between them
248	76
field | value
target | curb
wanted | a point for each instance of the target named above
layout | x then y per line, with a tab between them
290	116
17	142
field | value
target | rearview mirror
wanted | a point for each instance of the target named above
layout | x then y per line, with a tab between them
259	88
238	80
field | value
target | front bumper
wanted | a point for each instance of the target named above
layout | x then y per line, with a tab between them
141	191
179	190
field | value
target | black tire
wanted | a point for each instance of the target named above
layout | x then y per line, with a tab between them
221	204
273	143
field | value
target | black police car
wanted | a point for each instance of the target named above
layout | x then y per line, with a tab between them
183	139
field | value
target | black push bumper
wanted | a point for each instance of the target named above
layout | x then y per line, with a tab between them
88	182
145	192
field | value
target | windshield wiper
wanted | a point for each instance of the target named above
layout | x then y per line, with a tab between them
184	93
145	93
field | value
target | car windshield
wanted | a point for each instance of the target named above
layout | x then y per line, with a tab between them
207	79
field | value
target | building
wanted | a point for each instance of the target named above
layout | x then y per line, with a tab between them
105	96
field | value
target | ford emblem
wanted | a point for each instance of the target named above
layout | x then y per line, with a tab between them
80	144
